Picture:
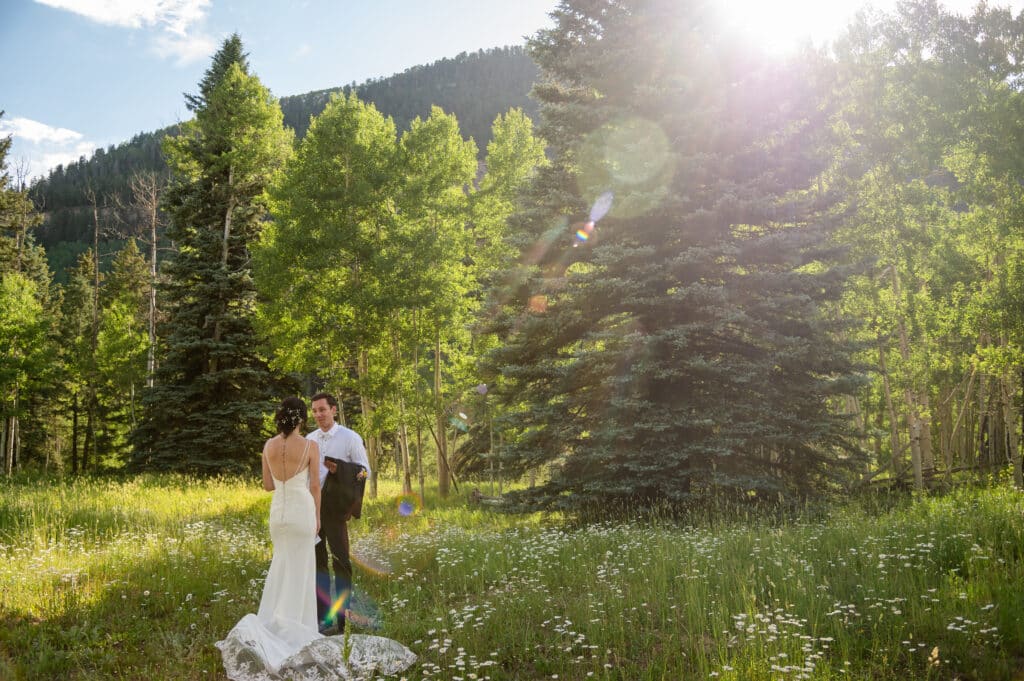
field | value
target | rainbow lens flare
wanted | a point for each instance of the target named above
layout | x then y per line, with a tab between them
409	504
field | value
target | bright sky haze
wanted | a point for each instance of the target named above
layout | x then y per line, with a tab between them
83	74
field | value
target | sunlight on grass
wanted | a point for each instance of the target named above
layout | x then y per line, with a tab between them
138	578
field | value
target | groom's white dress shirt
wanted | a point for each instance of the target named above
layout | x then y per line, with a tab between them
339	443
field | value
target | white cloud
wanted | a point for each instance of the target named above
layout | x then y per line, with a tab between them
37	148
176	21
50	160
184	49
36	132
173	15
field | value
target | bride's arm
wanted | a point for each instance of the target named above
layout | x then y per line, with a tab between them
314	480
268	480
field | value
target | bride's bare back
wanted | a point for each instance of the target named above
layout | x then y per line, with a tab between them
288	456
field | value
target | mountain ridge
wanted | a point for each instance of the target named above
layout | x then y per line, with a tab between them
476	87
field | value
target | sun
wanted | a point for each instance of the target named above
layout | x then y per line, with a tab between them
783	26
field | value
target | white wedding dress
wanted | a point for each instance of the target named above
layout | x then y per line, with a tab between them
281	640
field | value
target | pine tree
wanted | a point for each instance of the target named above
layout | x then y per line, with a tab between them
213	389
77	358
121	351
674	348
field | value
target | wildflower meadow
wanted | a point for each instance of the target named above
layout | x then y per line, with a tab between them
137	578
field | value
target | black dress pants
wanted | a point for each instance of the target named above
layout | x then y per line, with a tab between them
333	594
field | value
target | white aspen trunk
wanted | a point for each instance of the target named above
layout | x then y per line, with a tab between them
894	433
927	455
490	435
9	445
945	433
403	433
15	461
953	436
3	442
362	369
419	463
859	419
131	402
151	354
443	474
914	425
224	250
419	428
1012	416
982	425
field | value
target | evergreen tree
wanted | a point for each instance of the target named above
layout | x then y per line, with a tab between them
121	351
77	357
676	347
213	389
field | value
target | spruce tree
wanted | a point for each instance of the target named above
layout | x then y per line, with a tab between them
77	358
213	389
674	347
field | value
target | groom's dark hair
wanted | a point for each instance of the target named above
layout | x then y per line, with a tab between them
331	402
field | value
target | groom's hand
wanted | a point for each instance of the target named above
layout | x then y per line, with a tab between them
330	465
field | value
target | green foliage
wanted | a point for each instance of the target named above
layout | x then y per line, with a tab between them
213	388
930	125
24	336
318	265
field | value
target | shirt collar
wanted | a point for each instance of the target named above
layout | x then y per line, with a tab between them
322	435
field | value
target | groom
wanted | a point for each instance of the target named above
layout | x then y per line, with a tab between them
344	468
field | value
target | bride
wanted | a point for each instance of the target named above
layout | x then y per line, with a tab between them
281	640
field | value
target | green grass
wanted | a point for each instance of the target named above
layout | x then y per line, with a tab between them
137	579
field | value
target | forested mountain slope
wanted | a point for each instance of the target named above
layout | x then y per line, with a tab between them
475	87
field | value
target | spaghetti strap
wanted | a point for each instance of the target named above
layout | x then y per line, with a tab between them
305	451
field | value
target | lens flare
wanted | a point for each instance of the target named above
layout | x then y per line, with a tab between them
538	303
409	504
601	206
377	566
337	606
632	157
358	609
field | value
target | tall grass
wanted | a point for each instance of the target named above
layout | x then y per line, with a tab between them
136	580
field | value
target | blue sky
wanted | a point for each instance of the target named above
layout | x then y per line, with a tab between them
82	74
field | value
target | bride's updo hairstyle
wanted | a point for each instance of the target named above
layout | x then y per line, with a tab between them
290	415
